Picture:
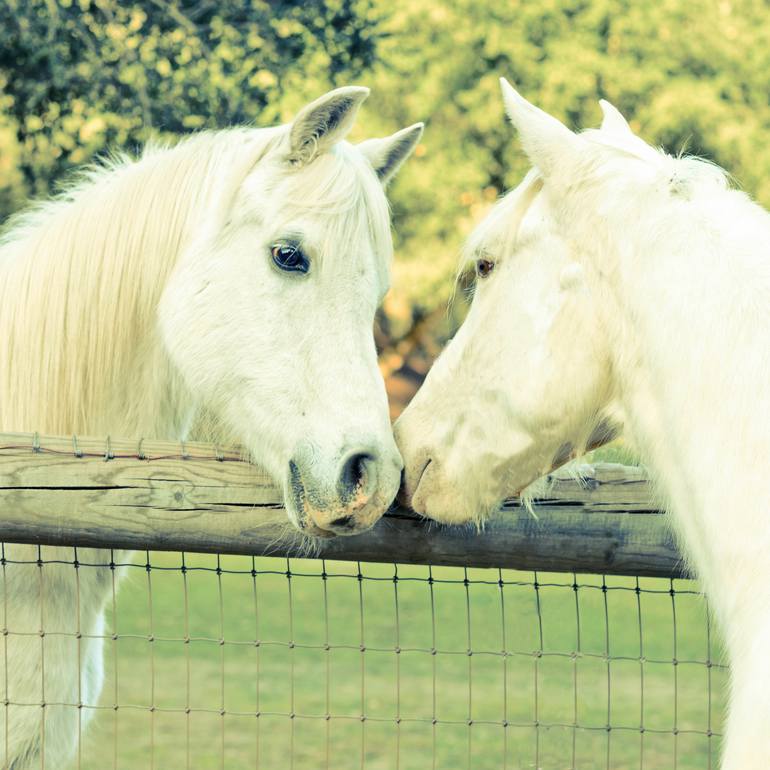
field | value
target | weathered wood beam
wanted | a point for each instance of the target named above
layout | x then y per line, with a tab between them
195	497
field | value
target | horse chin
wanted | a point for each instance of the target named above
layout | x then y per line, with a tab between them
312	530
444	509
435	497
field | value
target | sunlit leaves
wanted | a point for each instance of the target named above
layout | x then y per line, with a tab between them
78	77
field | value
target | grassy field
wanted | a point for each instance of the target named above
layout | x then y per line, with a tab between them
578	660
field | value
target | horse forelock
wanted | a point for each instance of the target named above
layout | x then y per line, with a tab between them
496	236
341	189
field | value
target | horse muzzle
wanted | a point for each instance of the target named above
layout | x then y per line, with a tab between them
348	501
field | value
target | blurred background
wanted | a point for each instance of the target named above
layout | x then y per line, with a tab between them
78	77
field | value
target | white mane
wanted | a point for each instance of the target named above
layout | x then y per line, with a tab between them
500	230
81	275
687	174
231	279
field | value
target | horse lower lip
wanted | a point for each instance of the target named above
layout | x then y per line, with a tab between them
349	532
316	531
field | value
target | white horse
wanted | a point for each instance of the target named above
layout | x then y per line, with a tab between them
237	273
618	275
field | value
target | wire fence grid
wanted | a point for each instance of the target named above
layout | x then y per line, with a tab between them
216	661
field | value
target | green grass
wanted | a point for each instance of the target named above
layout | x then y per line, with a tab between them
558	672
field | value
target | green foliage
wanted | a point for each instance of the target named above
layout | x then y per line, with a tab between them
77	76
688	76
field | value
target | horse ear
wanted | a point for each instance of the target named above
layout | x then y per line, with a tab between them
612	121
549	144
324	122
387	155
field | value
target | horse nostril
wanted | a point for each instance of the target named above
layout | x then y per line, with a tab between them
343	521
356	474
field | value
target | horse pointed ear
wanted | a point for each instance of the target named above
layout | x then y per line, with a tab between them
324	122
387	155
549	144
612	121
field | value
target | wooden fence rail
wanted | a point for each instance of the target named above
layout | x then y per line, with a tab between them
195	497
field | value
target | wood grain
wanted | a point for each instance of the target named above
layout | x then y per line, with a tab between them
196	497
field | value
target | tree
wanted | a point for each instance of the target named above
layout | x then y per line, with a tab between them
690	77
78	76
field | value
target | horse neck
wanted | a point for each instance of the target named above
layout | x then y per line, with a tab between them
691	347
79	291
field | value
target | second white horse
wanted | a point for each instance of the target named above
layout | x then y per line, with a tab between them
616	274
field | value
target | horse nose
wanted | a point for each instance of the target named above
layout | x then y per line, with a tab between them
358	475
350	497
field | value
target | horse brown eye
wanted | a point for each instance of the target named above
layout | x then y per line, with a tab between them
484	267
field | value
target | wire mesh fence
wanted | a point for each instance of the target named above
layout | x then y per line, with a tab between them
216	661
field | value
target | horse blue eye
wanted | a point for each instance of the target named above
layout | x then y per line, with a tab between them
289	258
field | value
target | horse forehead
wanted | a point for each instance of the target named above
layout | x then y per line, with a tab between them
350	257
495	234
336	207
